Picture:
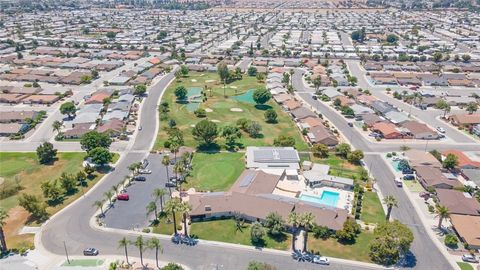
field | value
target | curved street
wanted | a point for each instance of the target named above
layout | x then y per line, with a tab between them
72	224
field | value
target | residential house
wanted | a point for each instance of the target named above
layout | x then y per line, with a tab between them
321	134
468	229
421	158
388	130
420	130
465	120
457	202
464	161
432	177
301	113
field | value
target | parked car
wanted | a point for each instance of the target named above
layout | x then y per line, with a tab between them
440	129
144	171
398	182
170	184
90	252
139	127
424	195
407	171
140	178
321	260
123	197
469	258
409	177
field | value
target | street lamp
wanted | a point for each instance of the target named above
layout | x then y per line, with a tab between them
66	252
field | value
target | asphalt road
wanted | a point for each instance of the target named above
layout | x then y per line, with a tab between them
427	117
359	141
72	224
132	213
425	254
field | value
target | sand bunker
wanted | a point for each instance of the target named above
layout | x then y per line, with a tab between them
236	110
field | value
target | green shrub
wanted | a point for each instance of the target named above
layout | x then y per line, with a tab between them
451	240
200	113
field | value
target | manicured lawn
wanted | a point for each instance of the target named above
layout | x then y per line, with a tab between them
221	111
338	166
214	171
22	169
413	185
332	248
372	211
465	266
84	262
165	224
225	231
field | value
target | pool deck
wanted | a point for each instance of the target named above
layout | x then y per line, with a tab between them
290	188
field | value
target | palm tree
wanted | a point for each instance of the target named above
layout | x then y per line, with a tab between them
390	201
307	221
56	126
185	208
172	206
442	213
152	207
108	195
293	219
179	170
154	243
123	243
99	205
174	148
3	218
134	167
115	188
166	163
140	244
158	194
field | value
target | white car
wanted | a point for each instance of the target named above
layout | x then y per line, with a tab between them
145	171
440	129
321	260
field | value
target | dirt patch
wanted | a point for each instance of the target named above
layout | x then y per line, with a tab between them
14	223
17	217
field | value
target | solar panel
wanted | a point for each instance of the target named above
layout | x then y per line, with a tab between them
247	179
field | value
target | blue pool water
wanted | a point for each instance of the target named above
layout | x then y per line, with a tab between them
395	165
328	198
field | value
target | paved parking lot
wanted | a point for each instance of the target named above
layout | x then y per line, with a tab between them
132	213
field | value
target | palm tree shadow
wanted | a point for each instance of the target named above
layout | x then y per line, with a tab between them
409	260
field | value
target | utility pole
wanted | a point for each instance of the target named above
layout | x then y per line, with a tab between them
66	252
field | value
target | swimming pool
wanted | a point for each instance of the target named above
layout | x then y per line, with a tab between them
328	198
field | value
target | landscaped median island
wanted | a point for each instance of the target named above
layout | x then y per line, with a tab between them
205	97
26	182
